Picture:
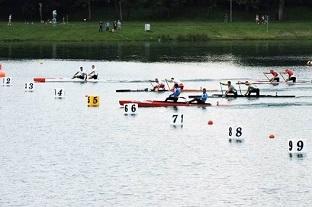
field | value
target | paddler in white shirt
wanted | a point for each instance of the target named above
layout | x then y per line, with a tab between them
93	74
176	81
160	86
251	89
230	90
80	74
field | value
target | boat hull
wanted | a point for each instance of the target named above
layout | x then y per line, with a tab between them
243	96
63	80
153	103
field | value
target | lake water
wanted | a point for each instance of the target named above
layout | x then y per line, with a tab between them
59	152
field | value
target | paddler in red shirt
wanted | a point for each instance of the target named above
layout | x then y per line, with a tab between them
291	75
274	74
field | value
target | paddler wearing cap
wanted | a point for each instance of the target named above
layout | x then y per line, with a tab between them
202	99
274	74
251	89
291	75
160	86
176	93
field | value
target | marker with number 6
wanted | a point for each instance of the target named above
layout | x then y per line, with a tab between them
131	108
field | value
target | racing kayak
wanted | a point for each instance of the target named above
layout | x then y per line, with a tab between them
154	103
281	82
160	91
243	96
64	80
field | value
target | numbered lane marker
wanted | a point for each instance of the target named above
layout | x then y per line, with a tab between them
296	148
7	81
93	101
59	93
29	87
177	119
236	134
131	108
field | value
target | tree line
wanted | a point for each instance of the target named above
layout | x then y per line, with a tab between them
35	10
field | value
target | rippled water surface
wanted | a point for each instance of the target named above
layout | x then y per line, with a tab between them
59	152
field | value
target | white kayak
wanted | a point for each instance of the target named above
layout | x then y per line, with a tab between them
65	80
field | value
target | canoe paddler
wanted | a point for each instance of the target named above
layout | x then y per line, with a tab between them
251	89
291	75
274	76
176	81
176	93
231	89
202	99
80	74
93	74
159	85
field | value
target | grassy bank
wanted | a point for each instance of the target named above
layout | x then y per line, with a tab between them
164	31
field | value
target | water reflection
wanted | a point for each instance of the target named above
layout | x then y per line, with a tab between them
241	52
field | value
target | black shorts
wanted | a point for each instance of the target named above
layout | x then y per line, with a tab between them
231	93
175	99
293	79
80	77
94	77
276	79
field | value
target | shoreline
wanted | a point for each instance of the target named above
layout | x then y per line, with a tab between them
180	31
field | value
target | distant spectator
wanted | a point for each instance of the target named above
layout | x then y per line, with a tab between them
263	19
114	26
226	18
118	25
101	26
107	26
257	19
10	20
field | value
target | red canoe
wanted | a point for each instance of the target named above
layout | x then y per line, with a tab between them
153	103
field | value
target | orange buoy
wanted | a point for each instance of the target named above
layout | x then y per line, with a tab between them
210	122
2	74
271	136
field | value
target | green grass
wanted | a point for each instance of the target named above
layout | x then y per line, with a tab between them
163	31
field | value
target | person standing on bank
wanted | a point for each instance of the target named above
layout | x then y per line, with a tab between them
10	20
101	26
